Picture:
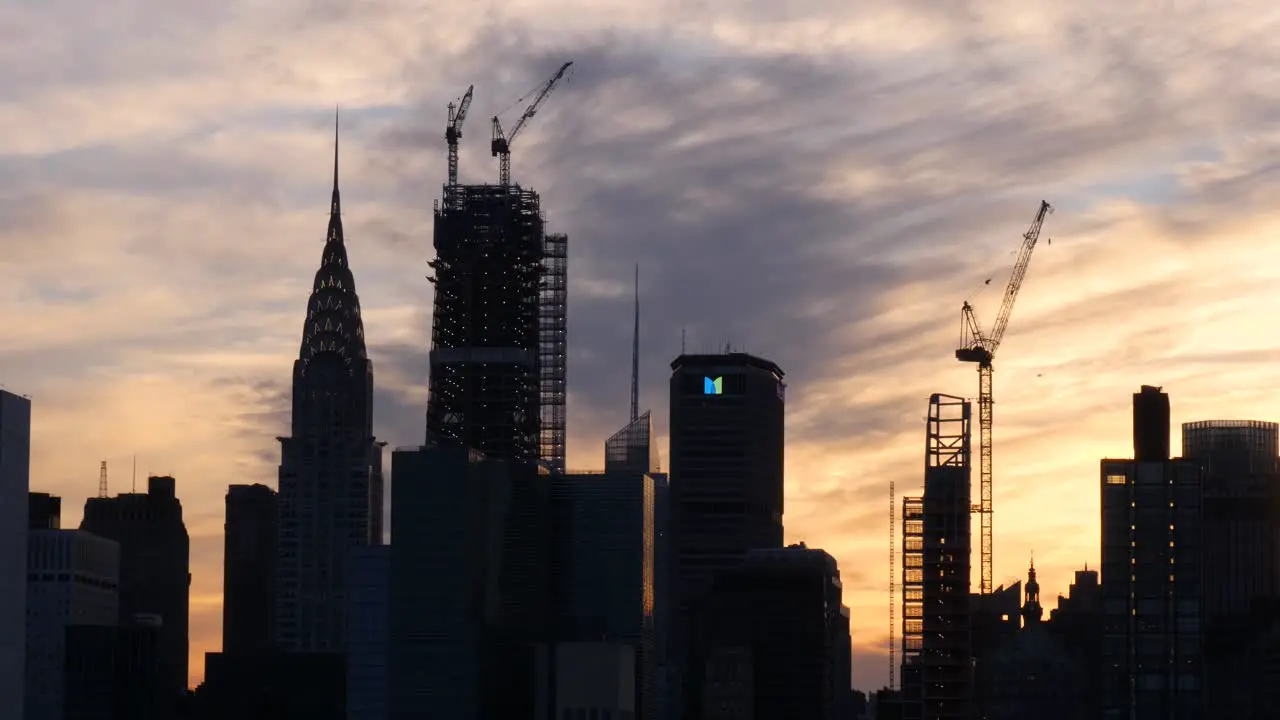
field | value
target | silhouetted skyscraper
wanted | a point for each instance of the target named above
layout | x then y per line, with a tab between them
44	511
249	570
1241	551
155	562
498	338
727	438
15	471
331	465
1151	577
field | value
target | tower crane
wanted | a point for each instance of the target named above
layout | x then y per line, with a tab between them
501	145
453	132
980	348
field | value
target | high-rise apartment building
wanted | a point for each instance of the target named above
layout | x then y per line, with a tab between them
726	471
1151	575
155	566
937	643
498	337
73	579
1241	548
249	570
15	473
331	485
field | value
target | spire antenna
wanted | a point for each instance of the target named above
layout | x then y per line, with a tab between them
635	354
336	205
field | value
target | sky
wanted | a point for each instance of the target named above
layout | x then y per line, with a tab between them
823	184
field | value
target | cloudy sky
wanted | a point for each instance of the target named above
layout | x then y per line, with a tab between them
820	183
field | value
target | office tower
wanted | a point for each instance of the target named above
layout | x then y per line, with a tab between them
331	465
249	570
726	470
15	472
1077	625
44	511
773	640
937	647
368	632
1151	575
470	605
113	672
73	579
1241	546
603	565
155	566
275	686
595	680
498	338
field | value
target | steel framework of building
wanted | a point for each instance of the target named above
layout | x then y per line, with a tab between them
498	334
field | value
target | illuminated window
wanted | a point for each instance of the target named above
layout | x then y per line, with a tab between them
1117	479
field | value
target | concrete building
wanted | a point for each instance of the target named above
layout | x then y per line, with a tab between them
1151	575
772	640
15	473
603	568
1241	548
368	632
470	602
73	579
155	566
727	433
937	644
249	570
595	680
331	485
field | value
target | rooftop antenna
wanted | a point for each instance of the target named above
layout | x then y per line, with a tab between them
635	354
134	488
681	341
102	479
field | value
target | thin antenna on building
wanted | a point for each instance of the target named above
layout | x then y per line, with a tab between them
102	479
134	487
893	610
635	354
681	341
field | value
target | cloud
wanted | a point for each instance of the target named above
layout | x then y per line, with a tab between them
822	186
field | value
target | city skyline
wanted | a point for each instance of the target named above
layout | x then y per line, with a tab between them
158	259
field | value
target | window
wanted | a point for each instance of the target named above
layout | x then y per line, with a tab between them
1115	479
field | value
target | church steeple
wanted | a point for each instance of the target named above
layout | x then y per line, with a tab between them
1031	610
333	323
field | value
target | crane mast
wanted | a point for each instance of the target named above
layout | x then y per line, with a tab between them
453	133
980	348
501	143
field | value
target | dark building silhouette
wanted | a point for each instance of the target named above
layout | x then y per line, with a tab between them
1151	576
726	471
44	511
937	650
994	620
331	485
1077	625
273	686
1031	676
772	640
155	567
368	632
603	568
498	337
1241	551
249	570
469	602
113	672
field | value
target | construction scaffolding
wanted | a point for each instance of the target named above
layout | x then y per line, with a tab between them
936	643
553	342
487	327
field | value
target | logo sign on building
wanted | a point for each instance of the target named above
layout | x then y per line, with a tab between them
713	386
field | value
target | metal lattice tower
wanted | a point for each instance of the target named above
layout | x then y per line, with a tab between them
553	350
102	479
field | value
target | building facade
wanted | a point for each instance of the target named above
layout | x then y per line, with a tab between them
726	445
73	579
249	570
15	472
155	566
331	485
1151	575
368	632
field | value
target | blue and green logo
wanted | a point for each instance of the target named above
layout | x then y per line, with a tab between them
713	386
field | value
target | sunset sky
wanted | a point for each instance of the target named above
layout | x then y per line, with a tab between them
821	183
